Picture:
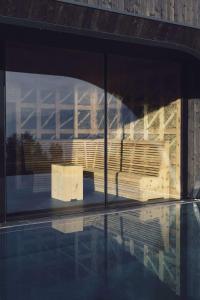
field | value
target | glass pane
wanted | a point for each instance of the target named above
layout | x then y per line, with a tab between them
144	117
55	129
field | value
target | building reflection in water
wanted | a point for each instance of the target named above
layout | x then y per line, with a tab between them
131	253
150	235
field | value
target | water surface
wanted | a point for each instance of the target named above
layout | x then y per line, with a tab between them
149	253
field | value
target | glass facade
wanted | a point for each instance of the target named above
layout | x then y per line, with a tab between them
54	128
89	129
144	124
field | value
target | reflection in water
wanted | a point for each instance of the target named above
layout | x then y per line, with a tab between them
152	236
127	255
192	253
68	226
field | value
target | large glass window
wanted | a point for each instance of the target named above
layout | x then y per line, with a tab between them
54	128
144	122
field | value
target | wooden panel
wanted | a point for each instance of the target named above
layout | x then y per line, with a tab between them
76	17
185	11
194	147
66	182
142	158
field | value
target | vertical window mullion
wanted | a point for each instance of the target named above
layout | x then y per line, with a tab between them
105	132
2	144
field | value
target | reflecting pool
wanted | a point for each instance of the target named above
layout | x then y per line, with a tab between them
147	253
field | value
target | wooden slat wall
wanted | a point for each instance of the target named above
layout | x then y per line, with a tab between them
194	147
181	11
143	158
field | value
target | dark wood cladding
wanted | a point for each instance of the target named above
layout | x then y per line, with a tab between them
181	11
82	19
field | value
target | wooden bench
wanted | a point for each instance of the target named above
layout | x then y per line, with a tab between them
141	174
145	171
136	170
